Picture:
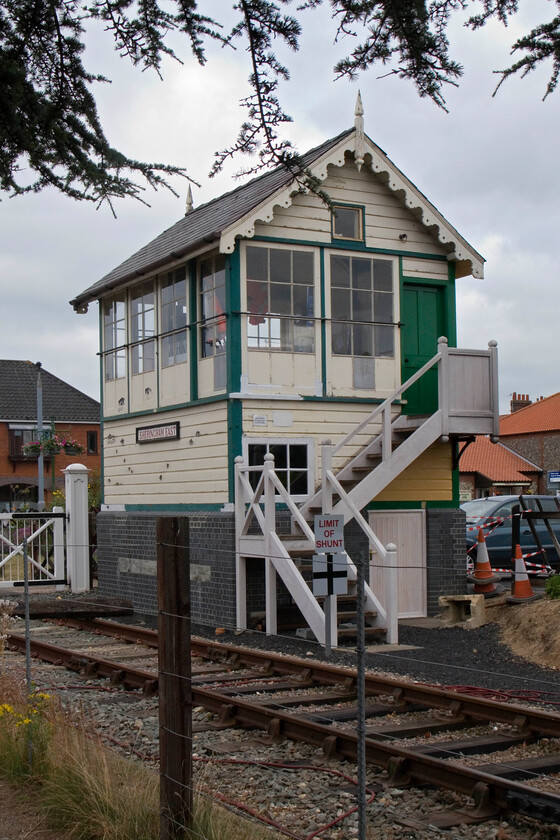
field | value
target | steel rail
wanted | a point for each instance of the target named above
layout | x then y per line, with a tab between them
400	692
404	765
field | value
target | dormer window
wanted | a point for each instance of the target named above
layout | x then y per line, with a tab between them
347	223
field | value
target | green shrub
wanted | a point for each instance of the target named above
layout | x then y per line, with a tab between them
552	587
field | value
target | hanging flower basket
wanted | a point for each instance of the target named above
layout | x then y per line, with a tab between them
31	449
50	446
70	446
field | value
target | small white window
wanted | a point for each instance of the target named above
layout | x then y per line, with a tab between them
292	463
347	223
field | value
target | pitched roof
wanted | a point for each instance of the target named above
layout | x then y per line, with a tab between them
202	225
541	416
18	396
496	461
236	213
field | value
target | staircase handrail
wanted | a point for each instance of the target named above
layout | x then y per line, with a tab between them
387	403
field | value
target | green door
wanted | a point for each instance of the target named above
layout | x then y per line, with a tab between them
423	322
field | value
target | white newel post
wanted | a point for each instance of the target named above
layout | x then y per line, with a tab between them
240	562
77	533
270	528
58	547
392	594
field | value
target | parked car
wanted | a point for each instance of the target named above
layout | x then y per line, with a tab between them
494	515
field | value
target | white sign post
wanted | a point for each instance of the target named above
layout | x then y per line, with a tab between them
330	569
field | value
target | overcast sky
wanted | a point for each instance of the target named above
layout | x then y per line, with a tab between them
490	166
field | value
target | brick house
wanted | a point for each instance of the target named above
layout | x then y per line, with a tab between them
262	323
490	469
533	431
65	409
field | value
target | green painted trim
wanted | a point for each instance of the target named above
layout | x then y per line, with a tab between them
323	305
352	246
170	507
366	400
233	322
410	505
101	395
424	281
175	407
235	446
451	307
193	330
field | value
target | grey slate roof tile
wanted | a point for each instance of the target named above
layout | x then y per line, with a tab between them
18	396
202	224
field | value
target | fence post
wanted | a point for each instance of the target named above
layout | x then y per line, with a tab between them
392	594
270	528
174	677
77	534
58	547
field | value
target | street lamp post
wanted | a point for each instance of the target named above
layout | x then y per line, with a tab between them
41	477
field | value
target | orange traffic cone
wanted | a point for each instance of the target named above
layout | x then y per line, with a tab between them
521	590
483	575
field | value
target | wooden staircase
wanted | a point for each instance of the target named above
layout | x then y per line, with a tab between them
468	404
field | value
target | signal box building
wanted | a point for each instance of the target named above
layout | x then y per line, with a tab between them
262	324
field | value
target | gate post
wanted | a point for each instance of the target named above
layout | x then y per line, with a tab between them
77	534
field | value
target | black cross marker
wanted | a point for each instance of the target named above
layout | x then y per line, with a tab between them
329	574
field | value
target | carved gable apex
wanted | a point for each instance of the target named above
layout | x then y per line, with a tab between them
467	260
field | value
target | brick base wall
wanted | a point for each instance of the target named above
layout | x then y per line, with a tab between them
126	557
127	563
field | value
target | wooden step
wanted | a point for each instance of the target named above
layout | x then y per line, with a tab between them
348	632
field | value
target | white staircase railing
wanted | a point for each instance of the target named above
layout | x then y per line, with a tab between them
467	404
45	547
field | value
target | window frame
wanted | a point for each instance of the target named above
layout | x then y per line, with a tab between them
309	444
271	340
175	333
114	353
357	208
143	338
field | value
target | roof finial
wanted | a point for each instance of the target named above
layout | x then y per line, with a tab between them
189	201
359	126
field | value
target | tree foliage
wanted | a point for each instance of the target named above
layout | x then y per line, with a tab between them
50	131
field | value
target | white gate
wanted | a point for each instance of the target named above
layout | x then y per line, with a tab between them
407	530
45	547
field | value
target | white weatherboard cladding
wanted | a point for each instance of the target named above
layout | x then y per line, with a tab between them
317	421
424	269
308	218
191	470
468	261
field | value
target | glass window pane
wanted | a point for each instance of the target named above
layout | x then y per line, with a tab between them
340	271
257	300
280	452
363	340
347	222
341	339
361	274
383	307
304	337
298	455
362	306
280	266
180	347
280	299
298	483
167	355
340	299
383	275
303	267
257	263
384	342
303	301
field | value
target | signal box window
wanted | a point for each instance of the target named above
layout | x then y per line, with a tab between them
347	223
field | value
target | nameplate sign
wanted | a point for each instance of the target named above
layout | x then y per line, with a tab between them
152	434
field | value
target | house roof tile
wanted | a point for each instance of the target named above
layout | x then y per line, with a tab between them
18	396
496	461
540	416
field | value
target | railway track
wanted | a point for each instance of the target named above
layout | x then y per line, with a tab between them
502	758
